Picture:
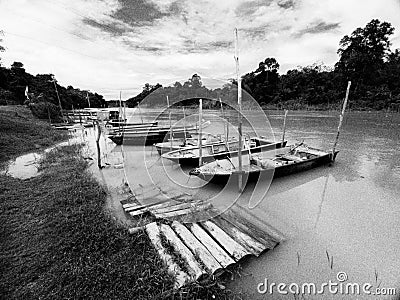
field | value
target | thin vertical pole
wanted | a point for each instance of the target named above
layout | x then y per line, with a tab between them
239	83
170	124
200	132
87	97
341	120
284	127
140	113
119	112
58	97
184	125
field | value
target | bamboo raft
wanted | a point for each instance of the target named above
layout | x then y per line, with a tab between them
207	248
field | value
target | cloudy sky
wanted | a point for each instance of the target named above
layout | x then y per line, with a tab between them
113	45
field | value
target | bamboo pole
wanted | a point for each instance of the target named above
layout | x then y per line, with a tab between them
284	127
184	125
200	132
140	113
170	124
341	120
98	144
240	184
119	112
58	97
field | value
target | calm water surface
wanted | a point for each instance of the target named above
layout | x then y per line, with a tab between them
349	212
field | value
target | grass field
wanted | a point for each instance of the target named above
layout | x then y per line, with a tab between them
57	242
20	132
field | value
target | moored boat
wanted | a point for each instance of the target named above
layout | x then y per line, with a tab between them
152	135
275	163
191	155
193	141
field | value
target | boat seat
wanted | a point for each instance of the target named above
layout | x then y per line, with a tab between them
292	157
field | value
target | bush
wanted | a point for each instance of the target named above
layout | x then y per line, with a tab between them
45	110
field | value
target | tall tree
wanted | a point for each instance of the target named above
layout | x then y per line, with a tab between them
364	51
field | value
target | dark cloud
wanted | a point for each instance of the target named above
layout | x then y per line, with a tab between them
286	4
248	8
317	27
136	13
191	46
110	27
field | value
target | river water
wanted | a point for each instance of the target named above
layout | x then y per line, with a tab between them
343	218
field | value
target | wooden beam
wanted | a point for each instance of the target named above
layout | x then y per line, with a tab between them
219	253
194	267
248	242
236	250
211	264
154	234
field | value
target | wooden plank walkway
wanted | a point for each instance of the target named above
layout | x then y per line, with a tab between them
204	248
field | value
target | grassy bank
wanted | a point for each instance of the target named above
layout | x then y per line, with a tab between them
56	241
21	132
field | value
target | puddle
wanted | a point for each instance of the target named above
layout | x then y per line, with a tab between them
24	167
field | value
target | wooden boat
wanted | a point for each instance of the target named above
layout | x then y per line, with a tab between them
118	123
191	155
152	135
275	163
193	141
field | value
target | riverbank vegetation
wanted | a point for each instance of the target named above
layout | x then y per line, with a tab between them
21	132
365	58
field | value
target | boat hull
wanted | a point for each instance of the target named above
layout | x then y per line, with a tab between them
194	161
276	172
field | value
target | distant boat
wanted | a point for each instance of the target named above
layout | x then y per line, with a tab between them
152	135
277	163
118	123
191	155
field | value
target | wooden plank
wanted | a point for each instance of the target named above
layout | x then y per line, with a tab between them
219	253
138	212
127	205
235	250
174	207
194	267
154	234
250	217
182	211
210	263
152	205
251	244
246	227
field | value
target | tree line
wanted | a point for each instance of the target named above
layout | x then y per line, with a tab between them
41	95
365	58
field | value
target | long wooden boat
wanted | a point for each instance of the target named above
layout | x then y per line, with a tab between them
152	135
118	123
191	155
193	141
275	163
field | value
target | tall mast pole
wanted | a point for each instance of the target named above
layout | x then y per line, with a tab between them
170	124
341	119
200	132
119	112
239	83
184	124
284	127
58	96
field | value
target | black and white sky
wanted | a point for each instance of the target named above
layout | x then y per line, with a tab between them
113	45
